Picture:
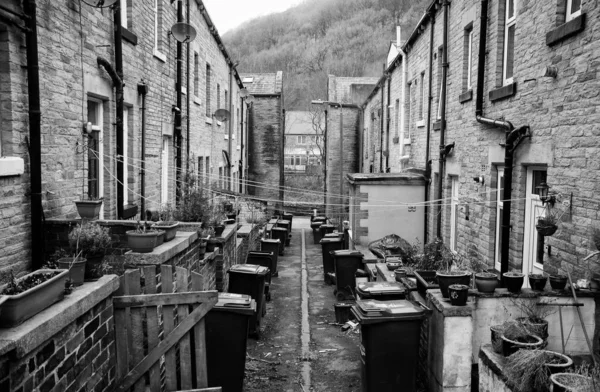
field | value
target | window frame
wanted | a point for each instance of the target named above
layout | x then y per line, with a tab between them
208	91
508	23
99	128
158	29
469	58
569	15
454	203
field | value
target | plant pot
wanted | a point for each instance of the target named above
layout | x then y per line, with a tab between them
144	242
170	230
537	327
458	294
528	342
537	282
399	274
560	363
393	264
426	280
513	281
211	245
546	230
232	216
558	282
486	282
93	267
202	248
219	230
445	280
89	209
76	269
496	338
19	307
570	382
342	312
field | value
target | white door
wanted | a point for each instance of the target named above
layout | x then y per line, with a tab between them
533	248
125	157
453	212
164	186
96	150
499	210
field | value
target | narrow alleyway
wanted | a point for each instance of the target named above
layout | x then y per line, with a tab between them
300	347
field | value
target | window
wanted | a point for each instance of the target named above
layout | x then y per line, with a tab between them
453	212
397	122
302	139
468	59
573	9
158	29
509	42
218	96
125	8
208	109
196	74
208	171
422	96
201	170
406	135
439	78
499	211
164	187
127	153
226	99
96	149
533	246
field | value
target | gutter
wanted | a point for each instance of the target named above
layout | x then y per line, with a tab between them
381	131
513	138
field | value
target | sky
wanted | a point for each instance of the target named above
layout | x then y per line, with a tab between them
228	14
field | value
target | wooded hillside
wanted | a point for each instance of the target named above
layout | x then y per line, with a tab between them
321	37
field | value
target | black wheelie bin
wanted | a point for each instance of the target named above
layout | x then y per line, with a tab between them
266	260
286	224
346	263
269	245
226	338
315	224
249	279
328	245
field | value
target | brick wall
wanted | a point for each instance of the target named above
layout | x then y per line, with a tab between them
349	89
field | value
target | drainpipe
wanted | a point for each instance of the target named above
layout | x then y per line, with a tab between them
445	4
429	104
230	103
119	96
324	160
143	90
387	143
189	94
381	133
513	139
177	127
341	206
35	160
241	162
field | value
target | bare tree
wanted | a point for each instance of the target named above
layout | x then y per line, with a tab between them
317	145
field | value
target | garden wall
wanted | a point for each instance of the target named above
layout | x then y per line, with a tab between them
67	347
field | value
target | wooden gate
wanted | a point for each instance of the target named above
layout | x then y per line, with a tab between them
159	330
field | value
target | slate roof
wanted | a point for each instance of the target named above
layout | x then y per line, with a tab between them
264	83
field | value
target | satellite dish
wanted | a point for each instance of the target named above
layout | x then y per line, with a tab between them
100	3
222	115
244	92
183	32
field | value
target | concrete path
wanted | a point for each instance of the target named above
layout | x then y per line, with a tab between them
300	347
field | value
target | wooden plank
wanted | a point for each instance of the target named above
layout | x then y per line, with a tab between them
185	355
152	325
211	389
133	301
137	326
121	340
199	340
182	329
166	276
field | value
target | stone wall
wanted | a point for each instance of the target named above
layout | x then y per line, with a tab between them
249	237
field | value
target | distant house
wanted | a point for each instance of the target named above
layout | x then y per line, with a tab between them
265	135
303	150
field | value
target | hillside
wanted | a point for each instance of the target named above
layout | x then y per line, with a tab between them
321	37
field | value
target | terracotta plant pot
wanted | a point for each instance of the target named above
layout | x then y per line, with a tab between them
399	274
144	242
445	280
169	229
514	281
558	282
570	382
486	282
537	282
89	209
528	342
19	307
458	294
76	269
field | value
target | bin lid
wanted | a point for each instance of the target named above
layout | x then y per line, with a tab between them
235	303
380	288
321	218
327	225
271	241
284	221
251	269
335	234
371	311
329	240
279	229
348	252
259	253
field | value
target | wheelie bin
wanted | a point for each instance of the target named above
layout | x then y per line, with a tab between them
286	224
249	279
328	245
389	340
226	338
288	217
381	291
314	225
326	229
266	260
346	263
280	233
269	245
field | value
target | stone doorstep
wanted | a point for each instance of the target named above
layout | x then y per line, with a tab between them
32	333
161	254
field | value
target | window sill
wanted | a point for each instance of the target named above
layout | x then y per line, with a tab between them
407	142
129	36
209	120
162	57
437	125
466	96
11	166
183	90
226	137
565	30
197	101
503	92
219	123
420	123
238	148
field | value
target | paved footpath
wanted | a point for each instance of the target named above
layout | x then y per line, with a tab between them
300	347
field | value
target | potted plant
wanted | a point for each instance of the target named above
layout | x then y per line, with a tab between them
547	225
456	271
583	378
204	234
89	208
534	318
486	282
515	336
530	370
93	241
193	205
26	296
458	294
426	263
144	238
216	222
558	282
537	281
166	222
514	281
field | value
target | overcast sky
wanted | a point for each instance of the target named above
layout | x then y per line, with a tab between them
228	14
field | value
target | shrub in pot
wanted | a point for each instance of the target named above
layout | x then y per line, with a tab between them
514	281
93	241
572	382
516	337
534	316
528	370
144	238
537	281
486	282
558	282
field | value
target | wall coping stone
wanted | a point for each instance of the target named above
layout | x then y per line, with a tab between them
494	361
161	254
26	337
245	229
405	178
227	233
369	257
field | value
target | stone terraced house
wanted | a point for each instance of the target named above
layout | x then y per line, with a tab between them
518	107
76	93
